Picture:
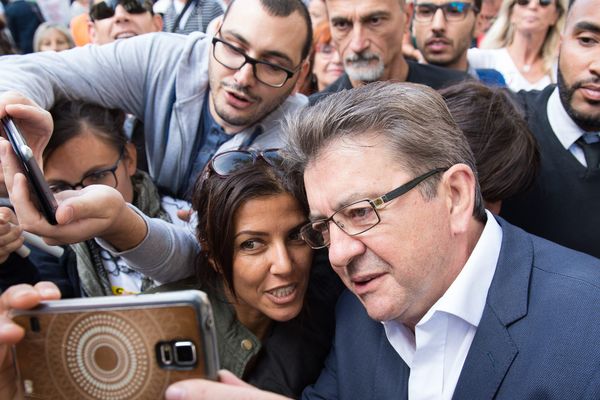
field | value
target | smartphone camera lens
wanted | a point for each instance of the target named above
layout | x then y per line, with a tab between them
185	353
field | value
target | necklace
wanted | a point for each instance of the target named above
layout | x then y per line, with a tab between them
526	68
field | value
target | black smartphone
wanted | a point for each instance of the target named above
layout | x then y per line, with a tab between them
115	347
43	196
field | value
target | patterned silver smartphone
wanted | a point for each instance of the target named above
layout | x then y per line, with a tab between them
115	347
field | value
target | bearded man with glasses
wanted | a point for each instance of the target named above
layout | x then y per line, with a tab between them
443	32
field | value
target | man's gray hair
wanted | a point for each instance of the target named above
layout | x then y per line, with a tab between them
412	118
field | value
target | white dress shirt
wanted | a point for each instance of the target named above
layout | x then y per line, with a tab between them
565	129
437	351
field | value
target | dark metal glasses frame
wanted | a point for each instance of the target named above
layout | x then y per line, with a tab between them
453	11
542	3
256	64
92	177
316	233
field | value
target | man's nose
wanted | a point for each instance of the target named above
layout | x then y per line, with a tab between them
245	75
359	41
343	248
438	23
121	14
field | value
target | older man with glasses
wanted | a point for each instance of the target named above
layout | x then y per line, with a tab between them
197	95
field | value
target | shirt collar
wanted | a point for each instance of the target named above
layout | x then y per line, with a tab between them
466	296
565	129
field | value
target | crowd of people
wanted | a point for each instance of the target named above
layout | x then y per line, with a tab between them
381	198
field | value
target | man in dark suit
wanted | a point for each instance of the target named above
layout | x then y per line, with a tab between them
564	202
447	300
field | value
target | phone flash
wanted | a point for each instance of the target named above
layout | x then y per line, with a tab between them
28	386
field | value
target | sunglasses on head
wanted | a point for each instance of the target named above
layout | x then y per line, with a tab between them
106	8
543	3
228	162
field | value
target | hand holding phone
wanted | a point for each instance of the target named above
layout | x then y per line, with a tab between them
118	347
41	192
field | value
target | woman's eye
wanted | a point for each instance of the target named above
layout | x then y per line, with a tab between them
250	245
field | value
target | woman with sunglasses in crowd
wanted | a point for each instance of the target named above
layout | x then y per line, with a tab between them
88	147
523	43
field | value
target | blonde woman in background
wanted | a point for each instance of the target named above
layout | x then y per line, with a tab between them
52	37
523	43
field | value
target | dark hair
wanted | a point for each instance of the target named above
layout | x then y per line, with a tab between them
505	150
72	119
217	201
321	35
5	43
284	8
412	118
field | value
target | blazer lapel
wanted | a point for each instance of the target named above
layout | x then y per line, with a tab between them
493	351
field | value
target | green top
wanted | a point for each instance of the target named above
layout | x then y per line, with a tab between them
236	344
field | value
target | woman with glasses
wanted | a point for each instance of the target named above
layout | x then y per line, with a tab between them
88	147
326	63
523	43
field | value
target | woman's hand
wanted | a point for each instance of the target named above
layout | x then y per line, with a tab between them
18	297
11	238
94	211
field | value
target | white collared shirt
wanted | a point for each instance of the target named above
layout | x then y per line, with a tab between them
437	351
566	130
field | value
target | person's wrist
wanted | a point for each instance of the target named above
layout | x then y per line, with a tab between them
128	230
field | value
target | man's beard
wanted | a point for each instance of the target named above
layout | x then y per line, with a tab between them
358	67
586	122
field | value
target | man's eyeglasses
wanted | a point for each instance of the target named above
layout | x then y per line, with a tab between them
106	176
226	163
357	217
268	73
543	3
453	11
106	8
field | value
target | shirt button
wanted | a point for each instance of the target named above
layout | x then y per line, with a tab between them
247	344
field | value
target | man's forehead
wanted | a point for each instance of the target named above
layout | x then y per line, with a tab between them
354	7
264	33
584	15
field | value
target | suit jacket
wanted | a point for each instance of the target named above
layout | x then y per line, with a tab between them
538	338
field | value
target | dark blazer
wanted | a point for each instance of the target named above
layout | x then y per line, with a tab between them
539	335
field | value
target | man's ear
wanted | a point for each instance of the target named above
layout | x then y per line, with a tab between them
408	13
303	75
458	184
91	31
157	21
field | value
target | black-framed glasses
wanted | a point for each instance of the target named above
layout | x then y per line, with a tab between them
105	176
233	57
106	8
453	11
226	163
542	3
357	217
